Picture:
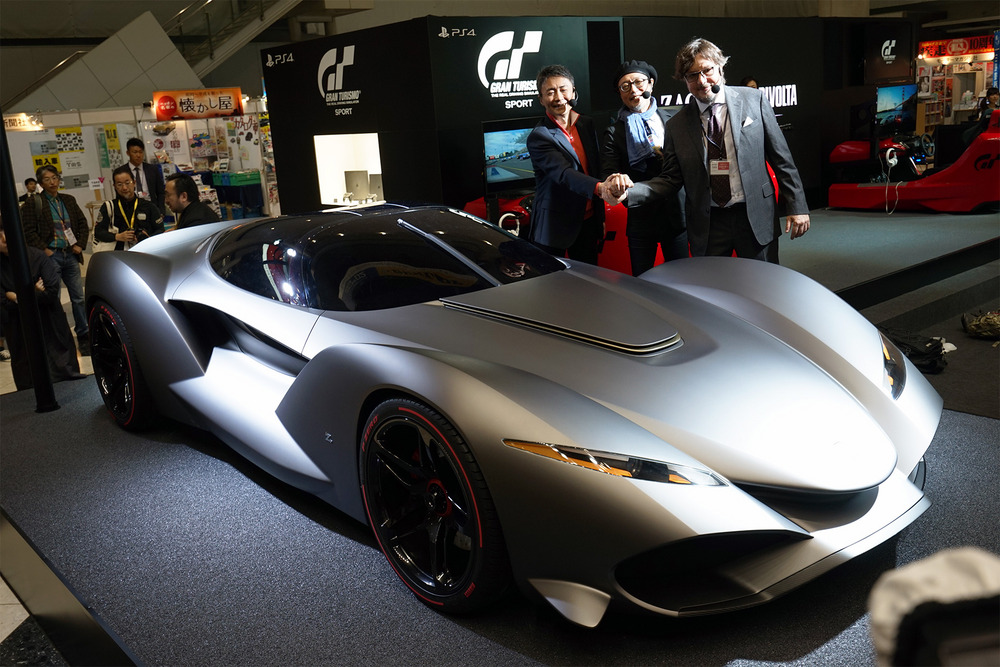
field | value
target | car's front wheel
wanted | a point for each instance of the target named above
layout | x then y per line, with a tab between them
430	508
117	371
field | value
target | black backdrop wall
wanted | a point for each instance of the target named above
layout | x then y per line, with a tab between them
426	85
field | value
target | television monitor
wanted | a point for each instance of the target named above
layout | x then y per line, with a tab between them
896	109
506	164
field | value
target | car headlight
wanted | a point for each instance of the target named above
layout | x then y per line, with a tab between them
621	465
895	369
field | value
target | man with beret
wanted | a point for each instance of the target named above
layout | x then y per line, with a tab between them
633	145
567	216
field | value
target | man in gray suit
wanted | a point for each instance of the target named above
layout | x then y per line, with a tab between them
716	148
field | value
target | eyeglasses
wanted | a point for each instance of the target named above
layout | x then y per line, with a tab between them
50	179
122	184
627	85
695	76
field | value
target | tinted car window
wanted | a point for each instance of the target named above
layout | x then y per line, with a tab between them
369	260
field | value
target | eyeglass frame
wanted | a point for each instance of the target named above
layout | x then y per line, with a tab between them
692	77
626	86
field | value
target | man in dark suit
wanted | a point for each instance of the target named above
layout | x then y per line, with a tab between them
148	178
633	145
568	212
182	198
718	147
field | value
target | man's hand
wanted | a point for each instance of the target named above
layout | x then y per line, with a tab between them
615	188
797	225
77	250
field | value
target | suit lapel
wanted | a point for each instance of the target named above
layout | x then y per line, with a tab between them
737	114
561	140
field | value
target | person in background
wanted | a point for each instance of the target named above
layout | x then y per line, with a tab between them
56	336
31	187
633	145
182	198
718	148
127	219
749	82
148	178
989	103
54	223
568	214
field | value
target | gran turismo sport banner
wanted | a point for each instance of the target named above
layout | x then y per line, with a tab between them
888	52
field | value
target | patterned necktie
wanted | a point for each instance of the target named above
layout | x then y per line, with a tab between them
721	192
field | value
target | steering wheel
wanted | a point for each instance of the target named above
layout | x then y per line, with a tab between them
927	144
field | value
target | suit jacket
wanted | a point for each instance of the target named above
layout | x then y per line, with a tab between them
196	213
148	221
39	227
562	188
152	181
757	139
659	219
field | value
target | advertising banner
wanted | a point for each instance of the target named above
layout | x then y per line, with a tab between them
888	52
962	46
189	104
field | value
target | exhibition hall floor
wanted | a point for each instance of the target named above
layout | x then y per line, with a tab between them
186	554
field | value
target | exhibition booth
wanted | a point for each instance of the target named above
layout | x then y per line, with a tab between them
231	156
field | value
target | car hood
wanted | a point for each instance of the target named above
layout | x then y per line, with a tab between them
737	398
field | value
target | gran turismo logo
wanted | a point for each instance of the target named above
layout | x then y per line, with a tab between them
887	47
330	78
509	67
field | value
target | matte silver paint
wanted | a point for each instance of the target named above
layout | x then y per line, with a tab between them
758	374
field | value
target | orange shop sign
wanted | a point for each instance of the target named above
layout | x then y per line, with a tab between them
963	46
206	103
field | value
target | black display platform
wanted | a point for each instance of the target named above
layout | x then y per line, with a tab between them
188	555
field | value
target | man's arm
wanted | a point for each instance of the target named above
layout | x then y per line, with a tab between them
548	157
789	182
78	223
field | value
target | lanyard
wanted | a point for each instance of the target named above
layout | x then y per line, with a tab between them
135	207
56	206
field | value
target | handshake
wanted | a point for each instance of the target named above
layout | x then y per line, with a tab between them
615	188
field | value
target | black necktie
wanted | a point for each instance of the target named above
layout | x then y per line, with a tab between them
138	180
721	192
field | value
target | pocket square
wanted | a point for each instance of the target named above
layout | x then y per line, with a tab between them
747	121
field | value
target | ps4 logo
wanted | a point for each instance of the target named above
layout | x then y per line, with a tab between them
457	32
502	44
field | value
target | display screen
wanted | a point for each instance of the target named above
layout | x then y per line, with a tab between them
506	163
896	109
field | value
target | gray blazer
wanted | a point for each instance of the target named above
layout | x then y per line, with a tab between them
757	138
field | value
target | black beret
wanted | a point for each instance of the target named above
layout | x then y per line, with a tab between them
631	66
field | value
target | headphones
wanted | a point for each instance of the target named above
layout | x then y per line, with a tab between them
890	158
576	99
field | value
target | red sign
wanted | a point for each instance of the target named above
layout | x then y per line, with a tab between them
963	46
206	103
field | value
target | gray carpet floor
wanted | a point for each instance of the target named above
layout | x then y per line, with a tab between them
192	556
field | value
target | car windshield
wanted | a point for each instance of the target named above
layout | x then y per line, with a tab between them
383	258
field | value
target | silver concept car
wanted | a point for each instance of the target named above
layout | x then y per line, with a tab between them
700	439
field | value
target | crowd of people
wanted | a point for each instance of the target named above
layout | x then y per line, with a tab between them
56	235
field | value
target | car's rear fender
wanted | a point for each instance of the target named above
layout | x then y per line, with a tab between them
134	285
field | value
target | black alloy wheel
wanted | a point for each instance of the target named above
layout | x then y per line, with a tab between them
116	370
430	508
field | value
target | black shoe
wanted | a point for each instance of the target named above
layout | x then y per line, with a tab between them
83	342
76	376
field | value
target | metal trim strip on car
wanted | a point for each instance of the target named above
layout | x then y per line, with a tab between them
638	350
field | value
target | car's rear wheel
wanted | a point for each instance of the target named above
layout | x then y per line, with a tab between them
430	508
117	371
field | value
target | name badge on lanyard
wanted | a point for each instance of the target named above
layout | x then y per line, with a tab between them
719	167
